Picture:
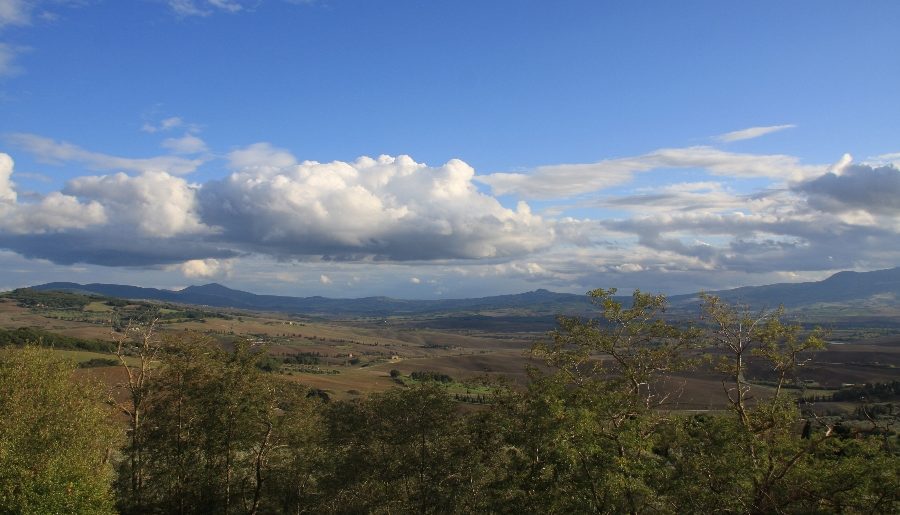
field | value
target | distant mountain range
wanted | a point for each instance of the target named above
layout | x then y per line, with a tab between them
221	296
881	287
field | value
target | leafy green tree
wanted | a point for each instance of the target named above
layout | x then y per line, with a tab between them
404	450
769	442
765	456
596	417
221	436
291	466
56	435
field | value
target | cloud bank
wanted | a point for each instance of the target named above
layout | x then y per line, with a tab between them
269	205
385	208
389	208
566	180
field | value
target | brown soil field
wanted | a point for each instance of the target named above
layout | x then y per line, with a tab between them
381	346
13	316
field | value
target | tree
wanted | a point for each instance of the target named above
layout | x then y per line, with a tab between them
398	451
596	415
767	457
137	339
220	435
56	435
771	448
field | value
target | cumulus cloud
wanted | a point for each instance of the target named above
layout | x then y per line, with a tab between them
113	220
370	209
751	132
857	187
891	158
566	180
49	151
385	208
111	245
7	188
155	203
786	230
187	144
845	217
260	154
205	268
416	221
53	212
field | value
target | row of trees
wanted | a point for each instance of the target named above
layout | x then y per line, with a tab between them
208	431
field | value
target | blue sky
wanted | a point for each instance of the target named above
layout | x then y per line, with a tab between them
564	145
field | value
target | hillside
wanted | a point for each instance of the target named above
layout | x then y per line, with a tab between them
539	301
879	288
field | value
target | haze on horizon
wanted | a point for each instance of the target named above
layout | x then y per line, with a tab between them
349	148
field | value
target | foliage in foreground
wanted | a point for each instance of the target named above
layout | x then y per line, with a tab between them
209	431
55	437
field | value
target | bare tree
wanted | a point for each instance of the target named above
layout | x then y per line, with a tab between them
137	340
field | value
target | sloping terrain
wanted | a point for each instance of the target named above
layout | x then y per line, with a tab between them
864	298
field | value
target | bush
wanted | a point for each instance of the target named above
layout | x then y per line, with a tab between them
55	436
98	362
427	375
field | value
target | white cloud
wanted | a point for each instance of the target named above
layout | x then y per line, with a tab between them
260	155
730	164
52	212
207	7
892	158
187	144
165	124
226	5
205	268
690	196
187	8
418	221
842	164
8	54
49	151
566	180
391	208
7	188
751	132
155	203
15	12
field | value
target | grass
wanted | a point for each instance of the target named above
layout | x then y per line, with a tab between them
98	307
452	387
79	356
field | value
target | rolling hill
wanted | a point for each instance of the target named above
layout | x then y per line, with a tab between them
881	287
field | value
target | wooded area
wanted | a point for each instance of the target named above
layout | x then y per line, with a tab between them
200	429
